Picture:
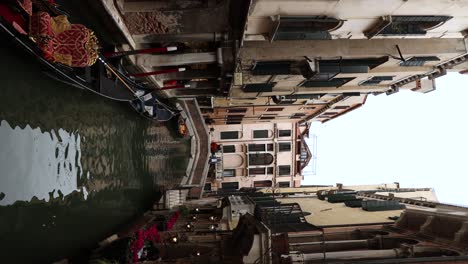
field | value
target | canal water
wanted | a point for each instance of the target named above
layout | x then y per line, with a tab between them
74	167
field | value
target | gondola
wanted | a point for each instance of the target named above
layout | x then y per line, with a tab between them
31	24
151	108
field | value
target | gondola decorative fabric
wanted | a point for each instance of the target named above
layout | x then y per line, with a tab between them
71	44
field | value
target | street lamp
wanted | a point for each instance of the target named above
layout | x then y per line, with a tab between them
189	227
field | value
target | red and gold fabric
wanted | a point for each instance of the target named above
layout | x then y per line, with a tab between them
26	5
70	44
41	26
73	47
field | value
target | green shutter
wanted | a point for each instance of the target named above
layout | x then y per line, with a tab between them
272	68
375	205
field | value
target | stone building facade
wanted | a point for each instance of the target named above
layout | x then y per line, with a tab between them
380	223
259	155
317	60
295	61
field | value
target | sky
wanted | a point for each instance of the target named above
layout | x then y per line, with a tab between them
419	140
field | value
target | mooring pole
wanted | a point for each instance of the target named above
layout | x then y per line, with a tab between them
140	51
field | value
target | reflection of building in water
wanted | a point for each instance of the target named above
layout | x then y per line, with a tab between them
49	160
360	224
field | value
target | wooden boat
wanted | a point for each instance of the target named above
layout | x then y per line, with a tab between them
68	52
151	108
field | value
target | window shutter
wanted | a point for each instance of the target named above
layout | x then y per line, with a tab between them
229	135
229	149
260	133
420	18
272	68
418	61
335	82
377	80
375	205
259	87
303	27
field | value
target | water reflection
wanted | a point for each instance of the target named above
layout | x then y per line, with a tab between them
74	167
53	155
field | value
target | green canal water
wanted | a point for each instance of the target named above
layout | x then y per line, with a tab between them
74	167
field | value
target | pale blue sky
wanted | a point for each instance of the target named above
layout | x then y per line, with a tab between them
419	140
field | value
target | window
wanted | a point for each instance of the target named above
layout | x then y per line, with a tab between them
335	82
308	108
405	25
260	171
284	170
267	117
257	171
262	184
283	184
256	159
235	117
272	68
285	133
284	147
341	107
330	113
275	109
362	65
260	147
229	149
303	27
207	187
376	80
297	116
229	173
229	135
230	185
260	133
259	87
237	110
256	147
233	122
418	61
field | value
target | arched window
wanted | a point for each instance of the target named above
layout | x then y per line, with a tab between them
303	27
260	159
405	25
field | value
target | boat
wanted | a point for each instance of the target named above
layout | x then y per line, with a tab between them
68	52
150	107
